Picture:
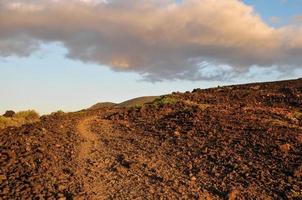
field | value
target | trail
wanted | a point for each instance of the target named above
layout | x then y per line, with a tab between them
90	139
89	160
115	163
110	163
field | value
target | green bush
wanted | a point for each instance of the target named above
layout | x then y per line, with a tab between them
164	100
19	119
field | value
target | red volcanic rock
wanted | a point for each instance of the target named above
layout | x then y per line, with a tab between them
235	142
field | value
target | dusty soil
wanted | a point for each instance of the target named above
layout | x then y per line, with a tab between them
236	142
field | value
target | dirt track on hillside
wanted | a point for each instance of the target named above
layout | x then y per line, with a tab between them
90	139
89	153
114	164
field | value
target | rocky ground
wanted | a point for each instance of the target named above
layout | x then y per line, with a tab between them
236	142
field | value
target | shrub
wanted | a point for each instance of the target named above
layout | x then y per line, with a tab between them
295	116
28	116
59	113
9	113
6	122
164	100
138	107
196	90
19	119
201	106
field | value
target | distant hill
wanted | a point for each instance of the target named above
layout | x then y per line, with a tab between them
126	104
137	101
102	105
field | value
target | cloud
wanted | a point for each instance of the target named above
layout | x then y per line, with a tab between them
297	19
160	39
275	20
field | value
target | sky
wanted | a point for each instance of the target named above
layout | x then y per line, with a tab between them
69	55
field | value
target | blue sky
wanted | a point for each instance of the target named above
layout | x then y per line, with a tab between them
48	81
283	9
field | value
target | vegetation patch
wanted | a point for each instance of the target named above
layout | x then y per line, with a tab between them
165	100
201	106
19	119
281	123
59	113
295	115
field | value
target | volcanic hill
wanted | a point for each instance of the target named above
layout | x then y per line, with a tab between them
234	142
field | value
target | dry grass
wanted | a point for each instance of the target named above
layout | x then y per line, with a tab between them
19	119
295	115
201	106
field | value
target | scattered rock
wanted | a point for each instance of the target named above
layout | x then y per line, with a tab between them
285	148
244	138
233	194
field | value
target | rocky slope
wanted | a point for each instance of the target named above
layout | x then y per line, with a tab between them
236	142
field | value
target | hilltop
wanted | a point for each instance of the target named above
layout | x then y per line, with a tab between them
139	101
233	142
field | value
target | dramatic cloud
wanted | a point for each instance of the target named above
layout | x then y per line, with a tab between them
160	39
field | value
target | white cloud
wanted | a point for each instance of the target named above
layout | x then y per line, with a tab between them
159	39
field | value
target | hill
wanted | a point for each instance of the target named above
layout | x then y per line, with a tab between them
102	105
234	142
137	101
129	103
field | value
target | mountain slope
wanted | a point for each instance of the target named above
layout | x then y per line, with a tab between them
235	142
137	101
129	103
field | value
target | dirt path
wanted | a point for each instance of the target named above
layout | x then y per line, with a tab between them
90	139
90	153
104	159
116	163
